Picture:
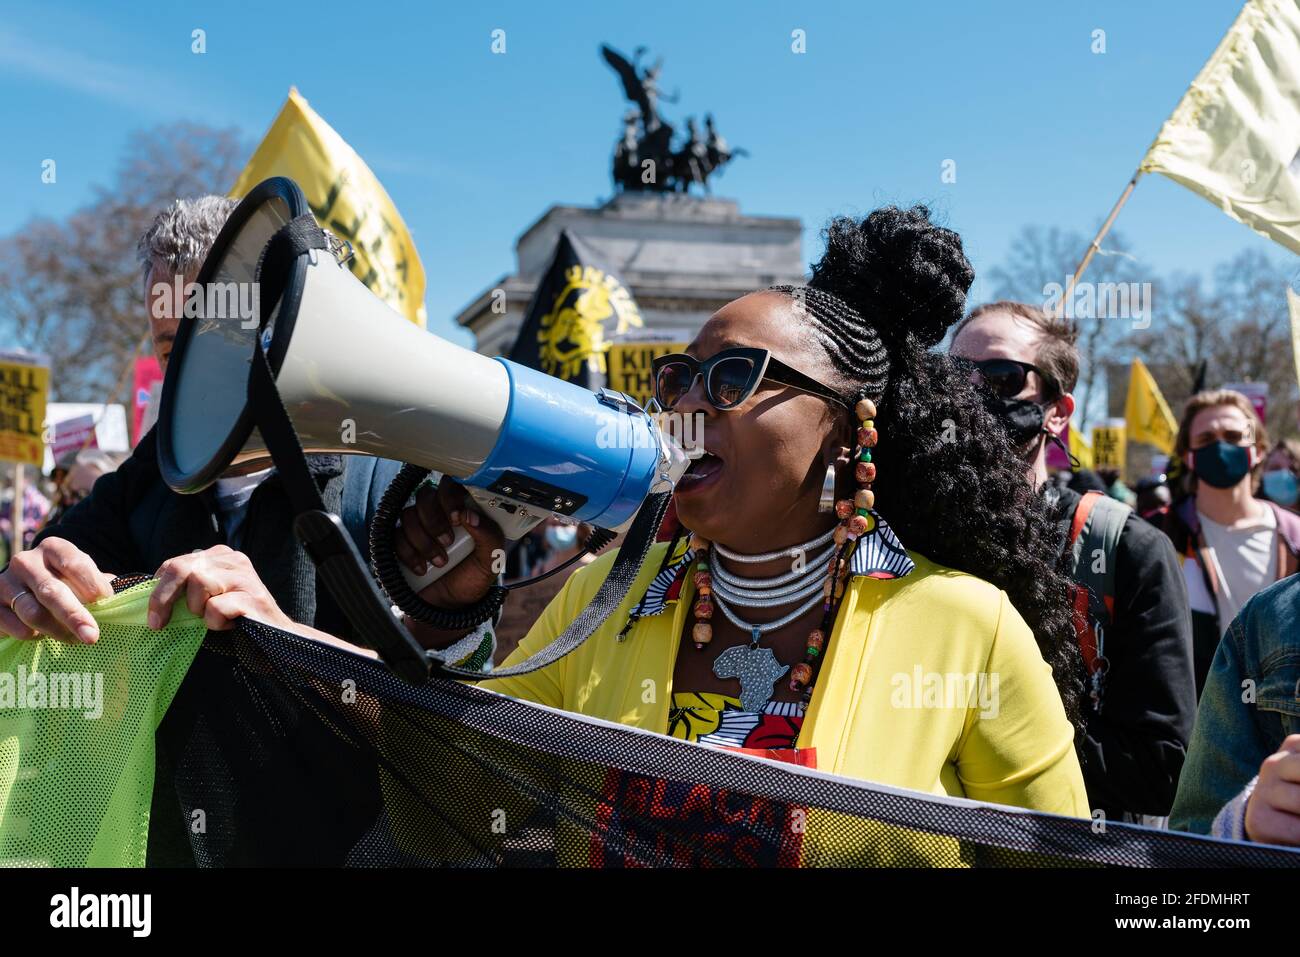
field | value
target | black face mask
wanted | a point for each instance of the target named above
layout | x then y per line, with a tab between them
1022	418
1220	464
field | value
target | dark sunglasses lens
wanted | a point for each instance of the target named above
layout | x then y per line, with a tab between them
673	381
1005	379
731	381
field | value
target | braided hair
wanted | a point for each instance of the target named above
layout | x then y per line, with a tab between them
885	292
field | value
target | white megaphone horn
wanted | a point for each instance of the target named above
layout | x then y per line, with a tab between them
356	378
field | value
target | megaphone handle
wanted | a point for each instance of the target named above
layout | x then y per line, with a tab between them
461	547
514	523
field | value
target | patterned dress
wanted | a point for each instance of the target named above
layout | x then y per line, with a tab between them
717	719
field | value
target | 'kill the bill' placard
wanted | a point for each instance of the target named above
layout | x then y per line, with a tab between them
24	385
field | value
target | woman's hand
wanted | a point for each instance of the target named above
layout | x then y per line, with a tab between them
219	585
1273	811
428	527
45	590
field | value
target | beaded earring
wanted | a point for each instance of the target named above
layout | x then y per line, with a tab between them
855	520
702	633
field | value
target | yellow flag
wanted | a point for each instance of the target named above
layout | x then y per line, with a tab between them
346	199
1293	304
1080	448
1235	137
1146	412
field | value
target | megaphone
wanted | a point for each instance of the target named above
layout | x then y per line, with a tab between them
357	378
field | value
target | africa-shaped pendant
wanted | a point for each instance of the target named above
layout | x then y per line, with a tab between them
758	670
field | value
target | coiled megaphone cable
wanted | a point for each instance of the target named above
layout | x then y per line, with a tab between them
383	558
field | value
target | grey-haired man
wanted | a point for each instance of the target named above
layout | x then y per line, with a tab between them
171	253
228	552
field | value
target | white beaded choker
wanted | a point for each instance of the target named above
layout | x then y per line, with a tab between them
791	552
803	584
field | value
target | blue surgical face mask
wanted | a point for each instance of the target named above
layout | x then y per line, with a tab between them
561	537
1280	486
1220	464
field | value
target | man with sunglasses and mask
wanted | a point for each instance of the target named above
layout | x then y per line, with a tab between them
1132	618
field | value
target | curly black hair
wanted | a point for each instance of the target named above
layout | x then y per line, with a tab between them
949	481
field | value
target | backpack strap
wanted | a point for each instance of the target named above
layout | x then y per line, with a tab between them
1288	539
1081	513
1095	531
1083	596
1096	527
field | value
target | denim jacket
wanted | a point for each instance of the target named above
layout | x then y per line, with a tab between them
1251	702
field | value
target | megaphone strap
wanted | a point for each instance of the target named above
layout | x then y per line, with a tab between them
323	535
274	265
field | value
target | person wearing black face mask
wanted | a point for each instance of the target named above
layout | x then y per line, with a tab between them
1240	780
1135	638
1233	544
1031	421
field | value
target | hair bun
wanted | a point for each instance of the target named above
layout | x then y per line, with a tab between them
907	276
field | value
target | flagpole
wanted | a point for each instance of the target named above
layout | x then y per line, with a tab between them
18	513
1101	234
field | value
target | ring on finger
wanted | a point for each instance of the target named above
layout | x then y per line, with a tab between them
13	601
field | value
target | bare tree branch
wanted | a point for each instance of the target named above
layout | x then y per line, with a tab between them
71	288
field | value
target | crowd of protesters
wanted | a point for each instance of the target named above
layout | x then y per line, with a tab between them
1196	686
1169	614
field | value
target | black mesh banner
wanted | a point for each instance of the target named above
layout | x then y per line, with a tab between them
282	750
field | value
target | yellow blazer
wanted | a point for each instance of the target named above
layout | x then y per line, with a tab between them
931	681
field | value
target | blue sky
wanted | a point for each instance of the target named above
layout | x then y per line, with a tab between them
474	146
